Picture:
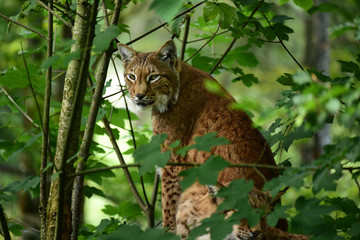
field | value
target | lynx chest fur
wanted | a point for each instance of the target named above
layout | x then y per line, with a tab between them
183	109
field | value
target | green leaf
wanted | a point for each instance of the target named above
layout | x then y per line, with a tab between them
97	176
6	198
350	67
150	155
247	79
324	179
282	31
278	212
304	4
166	9
89	191
280	18
204	143
125	209
246	59
235	195
298	133
211	11
206	174
286	80
103	39
15	229
227	14
216	225
49	62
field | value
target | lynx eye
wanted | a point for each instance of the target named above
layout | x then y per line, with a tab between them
131	77
153	78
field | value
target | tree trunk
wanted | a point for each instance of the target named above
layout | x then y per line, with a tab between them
317	56
80	30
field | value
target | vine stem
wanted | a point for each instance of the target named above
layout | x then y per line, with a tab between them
234	40
28	28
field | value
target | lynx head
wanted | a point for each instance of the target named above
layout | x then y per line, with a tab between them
152	78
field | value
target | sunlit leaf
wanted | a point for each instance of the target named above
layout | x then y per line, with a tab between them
150	155
206	174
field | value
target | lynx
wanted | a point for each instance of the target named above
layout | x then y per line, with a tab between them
182	108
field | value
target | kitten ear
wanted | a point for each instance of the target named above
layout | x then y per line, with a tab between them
167	52
127	53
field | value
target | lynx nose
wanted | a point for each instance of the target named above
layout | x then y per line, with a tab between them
139	96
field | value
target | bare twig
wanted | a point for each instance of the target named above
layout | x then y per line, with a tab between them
137	165
122	163
46	147
185	38
103	169
55	14
281	41
4	225
207	42
164	24
31	86
18	107
234	40
28	28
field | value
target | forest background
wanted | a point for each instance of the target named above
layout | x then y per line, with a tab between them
67	132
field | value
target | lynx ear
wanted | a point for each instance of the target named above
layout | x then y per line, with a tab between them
127	53
167	52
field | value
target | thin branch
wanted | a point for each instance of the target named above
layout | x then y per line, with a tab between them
89	129
4	225
55	14
207	42
122	163
28	28
164	24
137	165
155	190
18	107
205	38
31	86
281	41
355	179
46	147
185	38
234	40
103	169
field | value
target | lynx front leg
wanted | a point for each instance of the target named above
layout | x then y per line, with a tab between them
170	194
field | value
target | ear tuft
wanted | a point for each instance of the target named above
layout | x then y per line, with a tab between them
127	53
167	52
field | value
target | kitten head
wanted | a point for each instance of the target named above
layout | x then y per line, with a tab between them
152	78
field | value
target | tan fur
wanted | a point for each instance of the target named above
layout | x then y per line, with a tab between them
196	203
183	109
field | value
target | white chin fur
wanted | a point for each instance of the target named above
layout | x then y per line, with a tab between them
162	103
